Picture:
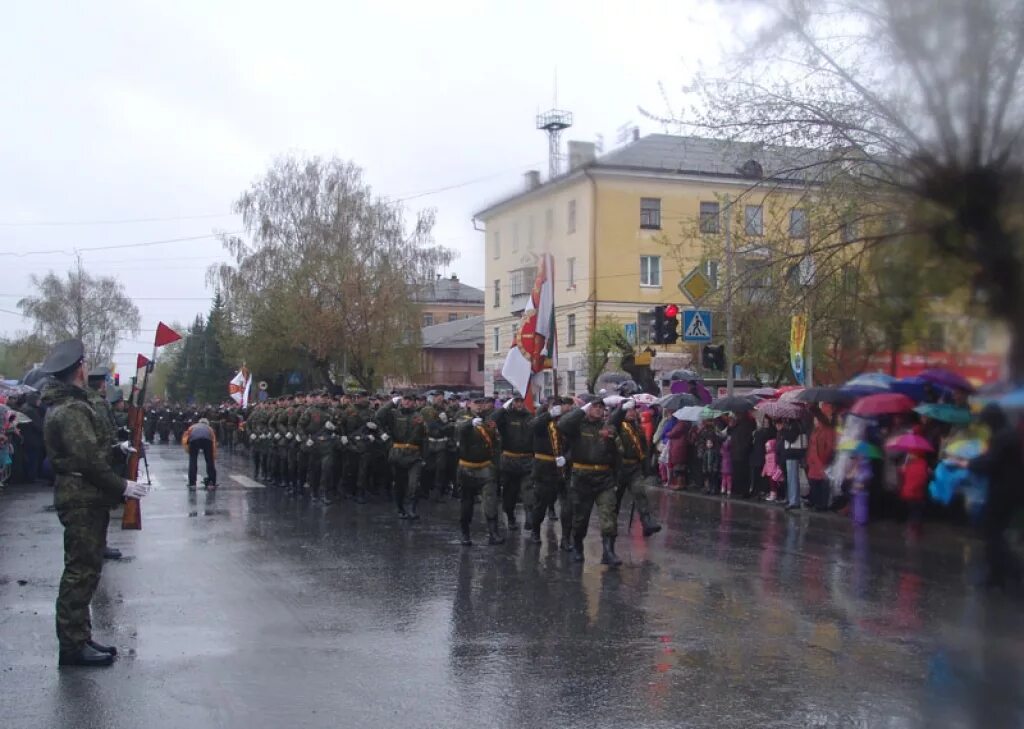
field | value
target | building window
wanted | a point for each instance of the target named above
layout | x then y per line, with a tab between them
797	223
453	317
497	292
650	213
570	327
515	237
650	270
570	267
497	339
572	216
549	223
936	337
428	320
753	220
496	245
711	271
479	363
520	281
570	382
709	212
644	322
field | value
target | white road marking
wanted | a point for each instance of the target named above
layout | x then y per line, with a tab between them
247	482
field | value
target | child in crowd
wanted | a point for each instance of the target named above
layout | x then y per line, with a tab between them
726	466
772	471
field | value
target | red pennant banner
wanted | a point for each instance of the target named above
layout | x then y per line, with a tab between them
141	362
165	335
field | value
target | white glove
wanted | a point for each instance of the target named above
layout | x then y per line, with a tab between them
344	440
477	422
385	437
586	408
277	436
629	404
443	417
555	411
126	447
289	436
560	461
371	425
508	403
396	400
309	443
329	425
613	400
371	438
135	490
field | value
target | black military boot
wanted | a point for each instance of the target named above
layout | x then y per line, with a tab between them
566	545
413	516
650	526
87	656
103	648
577	549
466	540
527	520
535	535
513	525
493	537
111	553
608	556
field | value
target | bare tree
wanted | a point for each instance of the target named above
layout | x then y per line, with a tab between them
327	274
902	117
81	306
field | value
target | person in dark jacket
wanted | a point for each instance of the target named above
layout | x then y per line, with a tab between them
1002	464
792	449
741	444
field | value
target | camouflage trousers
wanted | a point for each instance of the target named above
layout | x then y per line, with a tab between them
85	538
473	481
632	479
590	488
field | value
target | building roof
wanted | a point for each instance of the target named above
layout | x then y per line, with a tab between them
449	291
465	333
692	156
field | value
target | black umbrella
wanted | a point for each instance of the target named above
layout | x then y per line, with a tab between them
734	404
683	376
832	395
35	378
671	403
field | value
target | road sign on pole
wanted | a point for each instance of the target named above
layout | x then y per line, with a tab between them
696	325
696	286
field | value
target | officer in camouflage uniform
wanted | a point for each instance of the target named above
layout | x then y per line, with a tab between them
595	459
478	449
635	463
550	468
86	488
513	424
97	394
403	426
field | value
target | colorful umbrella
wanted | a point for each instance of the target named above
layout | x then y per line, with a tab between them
877	380
1012	400
791	394
707	413
855	392
886	403
913	387
775	409
862	448
946	378
690	413
909	443
645	398
765	393
831	395
965	448
944	412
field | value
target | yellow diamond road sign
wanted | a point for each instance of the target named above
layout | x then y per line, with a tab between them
696	286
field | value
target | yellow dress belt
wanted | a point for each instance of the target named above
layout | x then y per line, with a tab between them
474	464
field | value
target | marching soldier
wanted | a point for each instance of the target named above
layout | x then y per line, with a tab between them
478	443
359	449
595	458
549	469
86	489
513	424
315	428
435	417
403	425
635	462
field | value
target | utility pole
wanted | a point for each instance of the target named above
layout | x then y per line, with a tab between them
730	379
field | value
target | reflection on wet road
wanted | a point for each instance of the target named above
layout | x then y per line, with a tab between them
245	608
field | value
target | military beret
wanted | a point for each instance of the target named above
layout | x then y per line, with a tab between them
64	356
115	395
99	373
359	393
483	400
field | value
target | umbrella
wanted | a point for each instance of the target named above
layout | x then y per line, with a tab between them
34	377
909	442
965	448
690	413
862	448
734	404
946	378
707	413
678	400
776	410
791	394
855	392
831	395
683	376
878	380
1012	400
16	389
913	387
645	399
886	403
945	413
766	393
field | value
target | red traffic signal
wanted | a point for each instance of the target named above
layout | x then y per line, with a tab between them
671	311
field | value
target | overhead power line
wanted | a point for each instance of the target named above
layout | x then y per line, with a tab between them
117	247
124	221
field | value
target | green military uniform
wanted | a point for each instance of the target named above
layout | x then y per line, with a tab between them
316	444
436	420
407	432
293	413
360	449
478	444
516	462
548	476
633	473
595	458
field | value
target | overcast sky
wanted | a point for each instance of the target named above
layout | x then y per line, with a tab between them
119	111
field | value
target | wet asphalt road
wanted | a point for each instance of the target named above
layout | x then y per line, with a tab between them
247	609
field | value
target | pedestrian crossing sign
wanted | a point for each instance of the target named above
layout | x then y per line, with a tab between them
696	325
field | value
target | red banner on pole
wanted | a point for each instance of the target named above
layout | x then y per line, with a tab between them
165	335
141	362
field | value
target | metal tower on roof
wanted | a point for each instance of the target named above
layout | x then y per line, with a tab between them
554	122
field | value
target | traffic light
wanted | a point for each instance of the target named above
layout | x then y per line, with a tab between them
665	324
713	357
117	379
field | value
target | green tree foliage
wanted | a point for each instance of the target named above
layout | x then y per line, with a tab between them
605	344
323	280
19	354
195	367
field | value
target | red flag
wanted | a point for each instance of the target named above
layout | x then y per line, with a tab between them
165	335
141	362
